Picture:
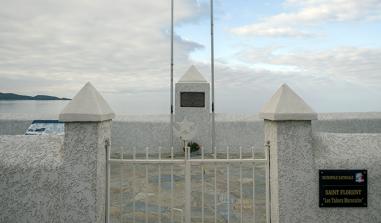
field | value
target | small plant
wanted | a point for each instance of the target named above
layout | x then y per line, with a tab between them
194	147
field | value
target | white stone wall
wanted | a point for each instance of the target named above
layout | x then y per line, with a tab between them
54	178
231	130
30	190
350	151
32	170
142	134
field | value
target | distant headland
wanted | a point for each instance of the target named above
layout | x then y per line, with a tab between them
11	96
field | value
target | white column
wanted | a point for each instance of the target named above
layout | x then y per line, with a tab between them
199	115
292	184
83	174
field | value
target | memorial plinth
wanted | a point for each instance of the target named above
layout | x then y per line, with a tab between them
192	103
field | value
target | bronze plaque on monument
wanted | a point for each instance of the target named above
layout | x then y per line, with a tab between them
343	188
192	99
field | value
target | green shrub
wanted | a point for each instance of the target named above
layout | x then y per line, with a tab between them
194	147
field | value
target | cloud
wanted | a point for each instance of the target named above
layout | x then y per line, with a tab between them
360	66
336	80
311	12
263	30
120	46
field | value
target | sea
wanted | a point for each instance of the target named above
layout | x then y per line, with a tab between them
32	107
54	107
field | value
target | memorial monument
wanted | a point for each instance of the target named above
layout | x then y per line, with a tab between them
192	106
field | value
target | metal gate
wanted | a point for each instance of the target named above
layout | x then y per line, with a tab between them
160	186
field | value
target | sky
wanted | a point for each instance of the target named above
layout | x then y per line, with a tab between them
328	51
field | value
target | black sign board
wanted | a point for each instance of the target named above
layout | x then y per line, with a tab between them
343	188
192	99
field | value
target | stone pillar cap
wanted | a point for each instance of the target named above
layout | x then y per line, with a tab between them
192	76
285	104
87	106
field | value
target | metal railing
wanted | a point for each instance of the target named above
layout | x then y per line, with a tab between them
137	191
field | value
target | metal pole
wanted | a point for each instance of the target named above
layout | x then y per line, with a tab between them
171	127
212	70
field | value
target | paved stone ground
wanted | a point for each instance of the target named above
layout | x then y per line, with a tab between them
128	188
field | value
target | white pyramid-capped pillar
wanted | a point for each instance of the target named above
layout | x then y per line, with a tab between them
87	106
285	104
192	104
288	136
87	141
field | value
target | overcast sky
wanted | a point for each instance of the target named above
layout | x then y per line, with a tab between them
328	51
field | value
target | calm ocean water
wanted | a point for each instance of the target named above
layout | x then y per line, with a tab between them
120	107
32	107
121	104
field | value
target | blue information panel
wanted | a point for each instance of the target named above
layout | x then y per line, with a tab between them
343	188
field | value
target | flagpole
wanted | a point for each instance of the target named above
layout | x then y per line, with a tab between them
212	72
171	127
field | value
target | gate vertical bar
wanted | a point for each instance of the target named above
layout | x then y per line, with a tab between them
268	210
107	206
172	186
240	184
159	187
121	186
188	187
202	185
215	188
228	182
254	210
133	185
146	195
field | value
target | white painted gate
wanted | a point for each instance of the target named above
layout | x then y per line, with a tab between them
160	186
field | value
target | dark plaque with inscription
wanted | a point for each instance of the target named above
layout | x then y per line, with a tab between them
343	188
192	99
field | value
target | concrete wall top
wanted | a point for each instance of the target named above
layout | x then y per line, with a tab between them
27	117
349	115
25	152
219	117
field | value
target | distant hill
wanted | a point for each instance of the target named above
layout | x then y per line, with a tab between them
10	96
